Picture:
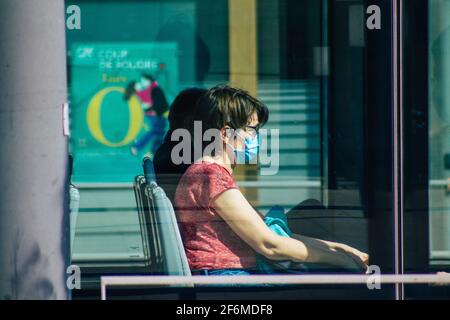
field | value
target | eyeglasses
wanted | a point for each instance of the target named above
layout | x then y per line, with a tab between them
249	130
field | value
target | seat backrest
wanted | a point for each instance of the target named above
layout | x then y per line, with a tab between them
174	257
74	205
150	240
159	225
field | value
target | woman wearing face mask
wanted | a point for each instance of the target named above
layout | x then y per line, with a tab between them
222	233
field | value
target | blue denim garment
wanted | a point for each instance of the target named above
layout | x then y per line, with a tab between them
239	272
228	272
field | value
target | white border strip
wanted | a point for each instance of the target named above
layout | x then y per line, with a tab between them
121	281
246	184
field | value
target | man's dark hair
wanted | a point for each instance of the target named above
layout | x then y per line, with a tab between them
182	108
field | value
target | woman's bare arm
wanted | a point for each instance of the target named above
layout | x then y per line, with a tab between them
232	206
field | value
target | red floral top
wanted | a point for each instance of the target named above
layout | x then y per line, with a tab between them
208	240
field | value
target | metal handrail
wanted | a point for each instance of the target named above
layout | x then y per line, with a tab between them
121	281
246	184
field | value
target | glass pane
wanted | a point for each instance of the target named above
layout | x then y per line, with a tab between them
107	227
439	132
326	157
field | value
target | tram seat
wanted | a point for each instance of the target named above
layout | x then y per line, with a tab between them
74	203
159	225
74	199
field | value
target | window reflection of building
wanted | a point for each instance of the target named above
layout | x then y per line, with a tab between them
439	135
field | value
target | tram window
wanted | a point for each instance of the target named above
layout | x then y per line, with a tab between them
439	132
277	50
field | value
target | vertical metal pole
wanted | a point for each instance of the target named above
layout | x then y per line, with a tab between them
398	142
34	234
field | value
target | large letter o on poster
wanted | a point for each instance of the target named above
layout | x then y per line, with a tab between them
94	123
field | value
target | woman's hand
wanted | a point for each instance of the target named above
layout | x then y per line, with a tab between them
360	258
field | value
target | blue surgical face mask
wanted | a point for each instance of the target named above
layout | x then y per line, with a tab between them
250	152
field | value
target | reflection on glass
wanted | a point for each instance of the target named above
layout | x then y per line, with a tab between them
277	50
439	131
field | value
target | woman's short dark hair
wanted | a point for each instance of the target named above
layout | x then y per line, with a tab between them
182	108
225	105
